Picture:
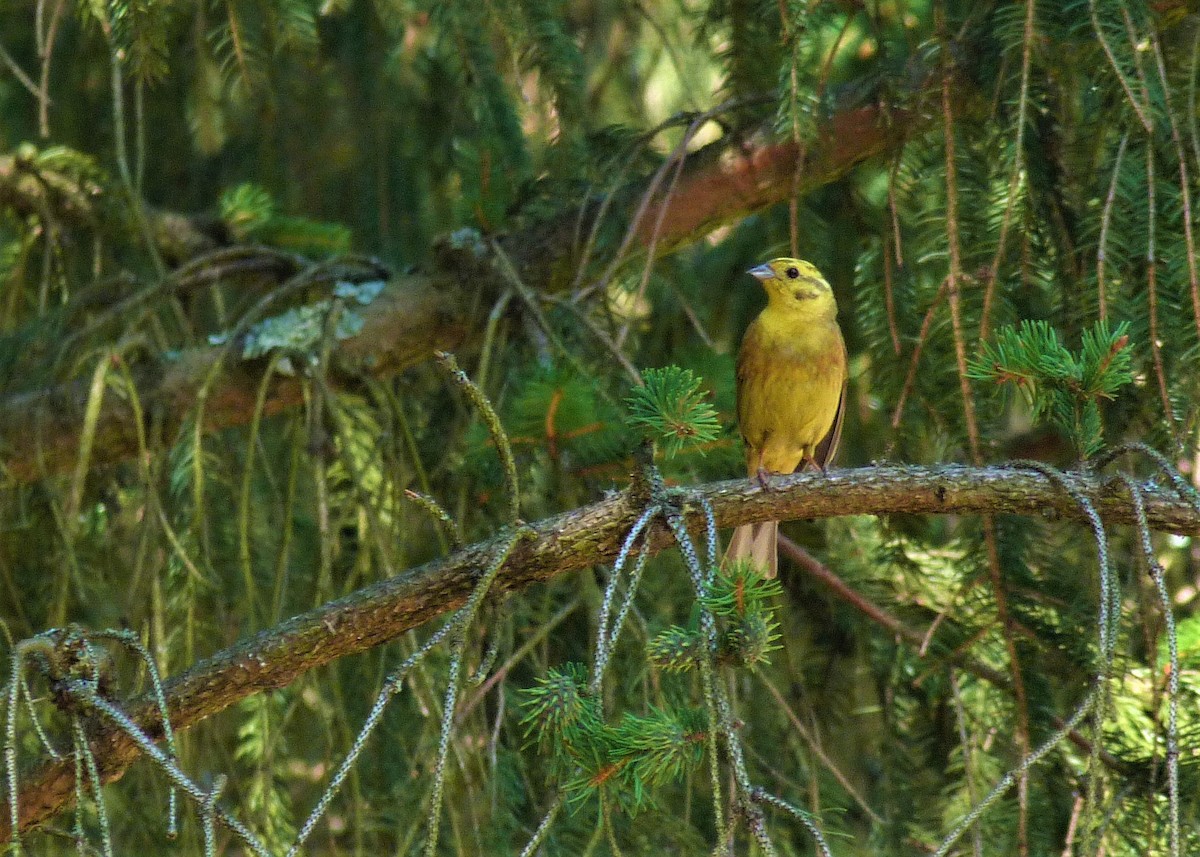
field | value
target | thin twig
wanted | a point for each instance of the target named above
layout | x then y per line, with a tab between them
1014	176
602	337
45	52
18	72
1185	184
889	298
818	750
1142	115
1152	293
915	360
964	740
492	420
1105	219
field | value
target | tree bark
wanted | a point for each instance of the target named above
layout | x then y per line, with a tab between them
40	431
574	540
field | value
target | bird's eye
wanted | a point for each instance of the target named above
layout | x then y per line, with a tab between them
792	273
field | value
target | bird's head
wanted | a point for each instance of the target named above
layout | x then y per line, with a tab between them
797	286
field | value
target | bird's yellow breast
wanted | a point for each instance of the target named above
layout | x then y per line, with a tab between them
791	371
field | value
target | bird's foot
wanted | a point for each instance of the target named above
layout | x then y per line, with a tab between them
764	478
814	464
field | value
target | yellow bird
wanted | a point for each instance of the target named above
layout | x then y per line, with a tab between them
791	390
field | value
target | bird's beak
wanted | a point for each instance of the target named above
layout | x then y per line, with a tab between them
762	272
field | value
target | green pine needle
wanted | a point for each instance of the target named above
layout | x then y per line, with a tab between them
558	705
252	215
740	590
663	746
675	649
673	409
1060	386
750	641
246	209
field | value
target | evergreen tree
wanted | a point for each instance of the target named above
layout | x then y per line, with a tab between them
366	376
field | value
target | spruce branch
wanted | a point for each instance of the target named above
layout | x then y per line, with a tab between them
490	418
560	704
672	408
623	763
417	314
438	513
1062	387
583	537
738	597
675	649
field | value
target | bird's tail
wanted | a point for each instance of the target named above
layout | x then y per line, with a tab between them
757	543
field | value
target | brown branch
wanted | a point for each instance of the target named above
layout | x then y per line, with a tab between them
826	576
724	183
80	200
416	315
568	542
39	431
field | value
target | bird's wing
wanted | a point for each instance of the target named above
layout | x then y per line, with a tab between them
828	446
746	357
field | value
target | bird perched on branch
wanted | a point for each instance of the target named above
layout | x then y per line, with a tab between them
791	390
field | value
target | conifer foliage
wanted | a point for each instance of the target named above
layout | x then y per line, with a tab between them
307	308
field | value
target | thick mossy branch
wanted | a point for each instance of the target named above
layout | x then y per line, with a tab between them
40	430
417	314
580	539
